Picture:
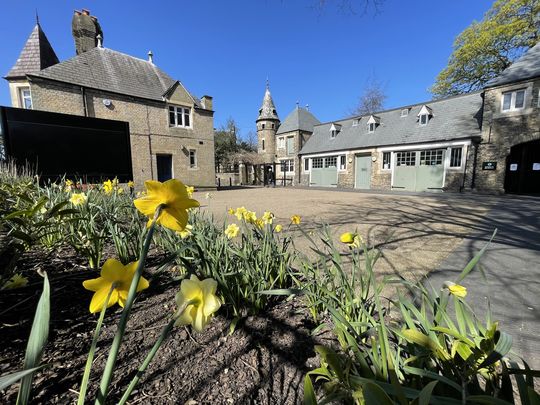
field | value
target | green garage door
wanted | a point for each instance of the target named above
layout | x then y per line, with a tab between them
362	169
419	170
324	172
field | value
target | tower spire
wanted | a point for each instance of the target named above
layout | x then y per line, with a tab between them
268	109
37	17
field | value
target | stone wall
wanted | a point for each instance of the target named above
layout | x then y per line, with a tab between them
502	130
149	129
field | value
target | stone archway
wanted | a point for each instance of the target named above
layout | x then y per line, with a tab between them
523	169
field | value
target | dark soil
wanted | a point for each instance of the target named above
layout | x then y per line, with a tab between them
263	362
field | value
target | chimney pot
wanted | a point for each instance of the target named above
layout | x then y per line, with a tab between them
99	44
150	57
85	11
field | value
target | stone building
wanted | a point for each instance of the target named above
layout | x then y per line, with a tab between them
280	142
488	141
171	131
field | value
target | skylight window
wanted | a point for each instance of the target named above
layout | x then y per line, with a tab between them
405	112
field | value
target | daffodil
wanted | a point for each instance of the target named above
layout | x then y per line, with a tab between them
186	232
130	184
120	191
259	223
352	239
232	231
190	190
108	187
68	185
173	197
197	302
295	219
278	228
113	275
239	213
231	211
16	281
457	290
267	217
250	217
77	199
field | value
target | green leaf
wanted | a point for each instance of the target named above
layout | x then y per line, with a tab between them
432	375
425	395
471	265
7	380
486	399
420	339
503	346
534	397
309	392
38	338
375	395
283	291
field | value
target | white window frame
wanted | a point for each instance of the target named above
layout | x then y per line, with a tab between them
461	159
182	110
281	142
513	96
22	97
195	165
288	163
333	134
389	163
342	163
371	127
405	112
306	163
420	119
356	122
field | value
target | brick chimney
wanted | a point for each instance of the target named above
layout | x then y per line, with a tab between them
206	102
85	29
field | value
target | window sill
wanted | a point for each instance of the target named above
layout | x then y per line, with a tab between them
513	113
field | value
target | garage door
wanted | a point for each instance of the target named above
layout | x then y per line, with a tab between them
324	172
419	170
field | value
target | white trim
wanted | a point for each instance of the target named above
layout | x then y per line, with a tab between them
196	166
382	161
513	95
425	146
176	108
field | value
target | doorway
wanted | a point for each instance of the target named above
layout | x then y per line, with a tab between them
523	169
164	167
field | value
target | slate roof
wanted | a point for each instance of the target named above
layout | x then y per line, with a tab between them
453	118
299	119
37	54
526	67
116	72
268	109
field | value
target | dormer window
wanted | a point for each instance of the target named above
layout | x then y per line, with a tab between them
372	123
334	130
356	122
179	116
405	112
424	115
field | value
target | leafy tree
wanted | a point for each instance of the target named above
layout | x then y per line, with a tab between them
484	49
228	144
372	98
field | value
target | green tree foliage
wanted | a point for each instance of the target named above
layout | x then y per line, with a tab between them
228	143
484	49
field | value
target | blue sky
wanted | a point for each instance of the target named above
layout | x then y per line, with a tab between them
227	49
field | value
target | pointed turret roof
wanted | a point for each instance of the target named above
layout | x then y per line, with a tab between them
268	109
36	55
299	119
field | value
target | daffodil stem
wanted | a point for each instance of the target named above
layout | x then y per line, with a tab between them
164	334
90	359
115	347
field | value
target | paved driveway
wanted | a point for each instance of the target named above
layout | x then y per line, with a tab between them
415	232
512	263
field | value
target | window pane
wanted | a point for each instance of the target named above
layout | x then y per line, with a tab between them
342	162
171	118
455	157
186	117
423	119
507	98
386	160
520	99
306	164
192	158
179	121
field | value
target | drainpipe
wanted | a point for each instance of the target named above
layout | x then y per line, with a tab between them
85	106
475	163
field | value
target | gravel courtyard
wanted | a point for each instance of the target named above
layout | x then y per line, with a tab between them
414	232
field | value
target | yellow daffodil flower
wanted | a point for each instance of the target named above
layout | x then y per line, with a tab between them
295	219
259	223
68	185
113	273
108	187
250	217
190	190
352	239
240	211
232	231
231	211
130	184
197	302
77	199
173	197
457	290
278	228
16	281
120	191
186	232
115	182
267	217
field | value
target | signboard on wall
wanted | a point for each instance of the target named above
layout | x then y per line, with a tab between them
489	165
